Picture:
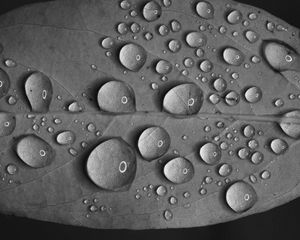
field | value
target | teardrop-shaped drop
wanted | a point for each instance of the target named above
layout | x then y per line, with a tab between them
153	143
233	56
196	39
4	83
281	57
210	153
132	57
184	99
205	10
290	124
112	164
241	196
38	88
34	151
116	97
152	11
179	170
65	138
234	17
7	123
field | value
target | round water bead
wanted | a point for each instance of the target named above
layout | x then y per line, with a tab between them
205	9
210	153
116	97
179	170
11	169
4	83
174	45
132	56
122	28
161	190
65	138
175	26
107	43
251	36
253	94
278	146
219	85
241	196
152	11
257	158
206	66
290	124
7	123
153	143
34	151
248	131
184	99
232	98
163	67
233	56
234	17
196	39
168	215
112	164
225	170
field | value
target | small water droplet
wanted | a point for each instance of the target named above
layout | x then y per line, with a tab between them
152	11
233	56
161	190
132	56
210	153
11	169
234	17
174	45
205	10
179	170
278	146
65	138
196	39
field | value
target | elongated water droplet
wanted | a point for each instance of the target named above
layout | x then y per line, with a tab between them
7	123
38	88
234	17
179	170
132	56
74	107
163	67
196	39
65	138
4	83
278	146
253	94
10	63
210	153
205	10
184	99
175	26
290	124
233	56
153	143
34	151
107	43
152	11
112	164
241	196
116	97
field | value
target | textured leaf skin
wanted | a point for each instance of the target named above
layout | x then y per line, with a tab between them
61	39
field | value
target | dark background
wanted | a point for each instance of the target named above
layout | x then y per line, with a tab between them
279	223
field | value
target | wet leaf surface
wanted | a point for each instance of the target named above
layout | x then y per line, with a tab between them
224	99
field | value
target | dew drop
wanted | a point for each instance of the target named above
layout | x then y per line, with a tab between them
210	153
243	153
220	85
232	98
10	63
163	30
290	124
205	10
34	151
7	123
4	83
132	56
11	169
152	11
251	36
161	190
206	66
233	56
173	200
196	39
65	138
107	43
257	158
225	170
253	94
175	26
168	215
163	67
122	28
74	107
278	146
265	175
174	45
153	143
234	17
248	131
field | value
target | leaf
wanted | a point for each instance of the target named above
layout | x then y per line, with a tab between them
210	132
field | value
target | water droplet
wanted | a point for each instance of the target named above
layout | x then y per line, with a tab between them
163	67
4	83
93	208
220	85
233	56
251	36
241	196
210	153
205	10
188	62
214	98
243	153
248	131
10	63
11	169
184	99
252	144
175	26
290	124
153	143
234	17
154	86
7	123
132	56
125	4
278	146
116	97
252	179
232	98
257	158
122	28
222	29
168	215
107	43
196	39
270	26
112	164
152	11
225	170
278	102
167	3
253	94
199	52
34	151
65	138
173	200
161	190
179	170
148	36
135	27
265	175
163	30
206	66
74	107
174	45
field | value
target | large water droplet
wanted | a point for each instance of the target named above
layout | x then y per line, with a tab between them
38	88
7	123
196	39
241	196
253	94
132	56
278	146
4	83
205	10
153	143
210	153
234	17
112	164
65	138
184	99
233	56
281	57
179	170
290	124
35	152
116	97
152	11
